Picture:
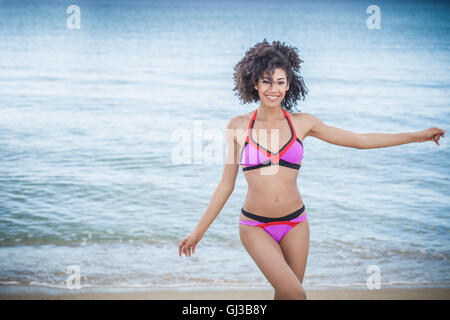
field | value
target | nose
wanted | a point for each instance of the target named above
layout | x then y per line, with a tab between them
274	90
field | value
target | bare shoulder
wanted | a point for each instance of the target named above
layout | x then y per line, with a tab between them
303	117
303	122
239	121
237	127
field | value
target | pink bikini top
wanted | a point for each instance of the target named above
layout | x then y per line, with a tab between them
253	156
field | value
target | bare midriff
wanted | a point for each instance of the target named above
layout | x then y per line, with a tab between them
272	192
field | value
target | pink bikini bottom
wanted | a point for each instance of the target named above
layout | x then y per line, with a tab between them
276	227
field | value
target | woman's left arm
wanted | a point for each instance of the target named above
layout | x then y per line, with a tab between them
351	139
381	140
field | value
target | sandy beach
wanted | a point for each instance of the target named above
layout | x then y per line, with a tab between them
235	294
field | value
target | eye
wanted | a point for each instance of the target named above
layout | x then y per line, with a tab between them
265	81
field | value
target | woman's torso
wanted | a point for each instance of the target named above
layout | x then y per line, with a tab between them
272	190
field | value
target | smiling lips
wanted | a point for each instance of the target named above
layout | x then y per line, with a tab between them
272	98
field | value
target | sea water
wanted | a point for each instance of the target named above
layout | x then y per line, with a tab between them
88	181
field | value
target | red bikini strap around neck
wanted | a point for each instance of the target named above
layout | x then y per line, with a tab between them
290	123
254	117
250	125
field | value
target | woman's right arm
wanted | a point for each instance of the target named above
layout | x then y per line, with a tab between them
220	195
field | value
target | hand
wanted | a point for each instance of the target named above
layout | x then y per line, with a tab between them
431	134
189	243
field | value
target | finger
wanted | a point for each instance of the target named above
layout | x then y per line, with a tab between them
193	249
180	247
436	139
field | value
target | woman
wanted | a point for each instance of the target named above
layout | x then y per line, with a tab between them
273	222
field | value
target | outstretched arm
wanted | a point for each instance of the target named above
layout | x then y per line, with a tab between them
351	139
381	140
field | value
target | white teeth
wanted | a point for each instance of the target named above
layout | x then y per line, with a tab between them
271	97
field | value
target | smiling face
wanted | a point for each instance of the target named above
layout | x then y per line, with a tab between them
272	91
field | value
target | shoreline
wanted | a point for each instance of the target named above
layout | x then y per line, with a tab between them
221	293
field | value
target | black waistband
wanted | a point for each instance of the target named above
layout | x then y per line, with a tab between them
290	216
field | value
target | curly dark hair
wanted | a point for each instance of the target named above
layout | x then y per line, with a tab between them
262	58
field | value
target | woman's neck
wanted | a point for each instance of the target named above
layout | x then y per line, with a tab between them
270	114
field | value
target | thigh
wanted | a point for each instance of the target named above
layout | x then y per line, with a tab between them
295	248
267	254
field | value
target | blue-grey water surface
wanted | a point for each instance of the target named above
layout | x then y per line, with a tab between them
88	119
